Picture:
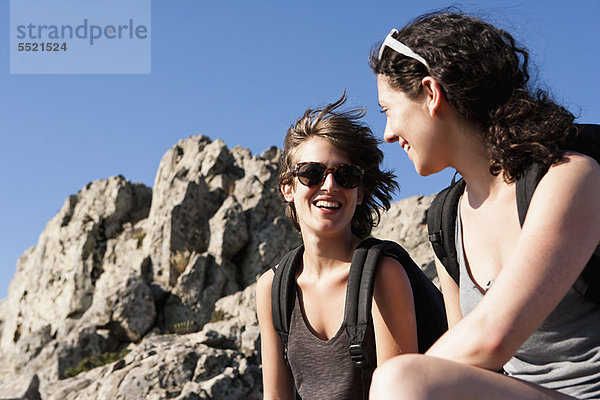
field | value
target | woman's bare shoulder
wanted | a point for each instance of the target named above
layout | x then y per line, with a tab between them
573	162
264	282
390	272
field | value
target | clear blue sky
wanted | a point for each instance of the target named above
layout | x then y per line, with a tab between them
240	71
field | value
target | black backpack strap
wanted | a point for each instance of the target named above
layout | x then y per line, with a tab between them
525	186
359	297
441	224
283	292
357	311
429	303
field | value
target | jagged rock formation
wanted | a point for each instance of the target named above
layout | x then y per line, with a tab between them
219	362
166	274
406	223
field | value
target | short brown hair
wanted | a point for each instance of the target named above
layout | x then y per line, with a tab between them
344	130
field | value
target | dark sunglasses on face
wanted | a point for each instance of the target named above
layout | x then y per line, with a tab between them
311	174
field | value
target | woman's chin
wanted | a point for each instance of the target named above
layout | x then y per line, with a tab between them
425	170
328	228
421	170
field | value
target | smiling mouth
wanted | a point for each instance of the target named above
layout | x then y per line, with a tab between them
404	144
329	205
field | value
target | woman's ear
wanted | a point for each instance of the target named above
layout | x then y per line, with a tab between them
434	93
361	193
288	192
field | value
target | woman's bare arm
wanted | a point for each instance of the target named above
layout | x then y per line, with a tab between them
450	292
393	311
277	379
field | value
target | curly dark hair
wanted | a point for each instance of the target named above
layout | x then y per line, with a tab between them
484	76
344	130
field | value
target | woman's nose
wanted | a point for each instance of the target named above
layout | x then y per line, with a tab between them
329	183
388	135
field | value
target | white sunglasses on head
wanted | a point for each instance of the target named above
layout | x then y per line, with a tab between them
400	47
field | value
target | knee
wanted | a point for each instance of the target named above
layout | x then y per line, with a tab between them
404	376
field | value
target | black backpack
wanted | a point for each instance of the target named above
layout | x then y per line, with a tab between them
429	304
441	217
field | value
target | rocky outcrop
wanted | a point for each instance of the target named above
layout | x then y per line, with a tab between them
218	362
406	223
55	283
160	282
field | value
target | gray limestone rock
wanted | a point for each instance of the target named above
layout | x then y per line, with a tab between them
55	280
2	312
228	229
192	300
406	223
184	199
166	366
271	234
124	305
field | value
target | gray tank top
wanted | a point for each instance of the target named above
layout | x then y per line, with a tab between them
323	369
563	353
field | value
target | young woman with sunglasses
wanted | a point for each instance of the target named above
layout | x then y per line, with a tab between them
455	92
331	181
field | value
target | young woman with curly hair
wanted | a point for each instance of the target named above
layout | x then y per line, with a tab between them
455	92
